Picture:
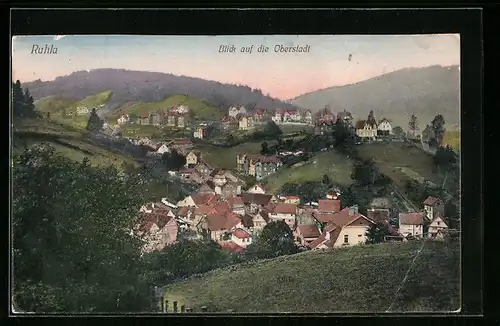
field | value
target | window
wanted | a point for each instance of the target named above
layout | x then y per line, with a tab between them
360	235
437	223
346	238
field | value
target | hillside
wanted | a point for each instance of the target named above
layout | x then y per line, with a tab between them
73	143
357	279
396	96
143	86
200	109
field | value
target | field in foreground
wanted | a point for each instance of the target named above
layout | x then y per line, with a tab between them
357	279
71	142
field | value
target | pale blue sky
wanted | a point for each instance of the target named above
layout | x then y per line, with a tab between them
283	75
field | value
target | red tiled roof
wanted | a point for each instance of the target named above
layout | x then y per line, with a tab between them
284	209
259	186
204	209
235	201
222	207
228	118
259	199
323	218
241	234
182	142
329	205
260	112
183	211
308	231
317	242
292	111
430	201
411	218
231	246
378	215
146	221
247	221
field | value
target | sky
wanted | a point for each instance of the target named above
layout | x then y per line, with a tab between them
282	75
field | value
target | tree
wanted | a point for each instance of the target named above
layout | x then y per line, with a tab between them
371	118
344	137
437	125
29	102
377	233
325	180
272	130
365	172
264	148
276	239
173	160
73	257
94	123
413	124
445	157
398	131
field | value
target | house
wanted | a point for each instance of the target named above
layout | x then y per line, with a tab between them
307	233
378	214
229	122
412	224
437	228
259	221
291	115
433	207
162	149
384	128
347	227
181	121
259	115
345	117
279	115
123	119
257	189
231	246
192	159
255	202
180	109
245	122
203	169
308	117
241	237
290	199
328	206
198	199
235	110
365	129
220	224
145	119
258	166
158	118
323	127
82	110
182	144
283	212
157	230
236	205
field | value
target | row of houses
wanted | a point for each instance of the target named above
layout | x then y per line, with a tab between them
371	130
234	219
176	116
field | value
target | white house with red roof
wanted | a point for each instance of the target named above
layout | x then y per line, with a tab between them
345	228
283	212
292	115
256	189
241	237
437	228
412	224
237	109
290	199
124	119
157	230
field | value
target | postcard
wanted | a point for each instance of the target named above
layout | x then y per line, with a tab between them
236	174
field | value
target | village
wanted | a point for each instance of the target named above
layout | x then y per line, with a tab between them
231	212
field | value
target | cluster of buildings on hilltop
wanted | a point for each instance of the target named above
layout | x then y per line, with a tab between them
371	130
233	218
176	116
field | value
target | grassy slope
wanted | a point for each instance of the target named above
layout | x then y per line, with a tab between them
357	279
202	109
69	141
452	138
337	167
53	104
400	162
